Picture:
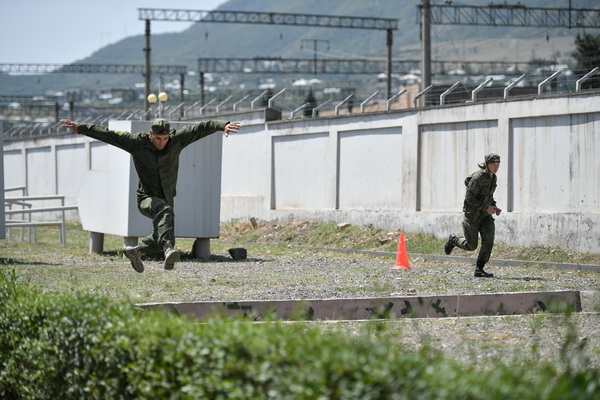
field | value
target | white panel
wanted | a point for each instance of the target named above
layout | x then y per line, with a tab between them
198	201
106	197
248	148
449	153
70	168
585	158
557	169
41	174
108	203
98	156
14	163
300	171
370	169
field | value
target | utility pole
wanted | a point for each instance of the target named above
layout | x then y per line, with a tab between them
147	74
425	45
315	41
388	67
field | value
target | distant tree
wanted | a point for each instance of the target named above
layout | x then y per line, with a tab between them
587	55
265	99
312	103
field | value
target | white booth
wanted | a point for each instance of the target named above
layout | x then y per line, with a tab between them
107	198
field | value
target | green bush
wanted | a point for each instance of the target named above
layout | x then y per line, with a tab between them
79	346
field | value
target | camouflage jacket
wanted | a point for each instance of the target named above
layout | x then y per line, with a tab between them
156	169
480	192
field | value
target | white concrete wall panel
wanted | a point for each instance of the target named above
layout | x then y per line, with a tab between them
14	163
450	153
71	164
246	163
41	171
557	178
300	172
197	204
98	156
370	169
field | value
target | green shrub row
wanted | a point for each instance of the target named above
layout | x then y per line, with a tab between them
79	346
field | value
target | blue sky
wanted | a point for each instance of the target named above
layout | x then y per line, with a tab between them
64	31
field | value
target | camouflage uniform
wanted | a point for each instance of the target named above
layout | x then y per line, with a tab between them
480	195
157	171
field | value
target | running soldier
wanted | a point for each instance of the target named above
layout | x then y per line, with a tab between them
479	207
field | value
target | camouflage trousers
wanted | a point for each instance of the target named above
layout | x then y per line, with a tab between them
473	226
163	225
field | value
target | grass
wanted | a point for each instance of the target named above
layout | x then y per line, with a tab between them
295	239
280	238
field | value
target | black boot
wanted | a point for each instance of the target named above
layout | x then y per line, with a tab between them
450	244
480	273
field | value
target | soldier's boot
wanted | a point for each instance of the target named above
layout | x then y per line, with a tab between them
172	255
480	273
135	256
450	244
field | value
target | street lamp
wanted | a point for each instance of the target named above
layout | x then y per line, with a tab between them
162	97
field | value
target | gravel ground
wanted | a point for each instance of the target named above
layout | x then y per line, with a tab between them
324	276
474	339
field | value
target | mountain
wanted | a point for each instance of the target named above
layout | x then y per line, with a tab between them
252	40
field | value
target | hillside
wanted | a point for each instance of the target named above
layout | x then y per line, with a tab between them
243	40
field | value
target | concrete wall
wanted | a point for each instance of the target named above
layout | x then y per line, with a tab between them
48	166
405	170
397	170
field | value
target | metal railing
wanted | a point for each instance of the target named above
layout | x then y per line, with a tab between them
26	203
462	91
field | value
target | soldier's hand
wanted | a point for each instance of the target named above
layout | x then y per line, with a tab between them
72	125
491	210
232	127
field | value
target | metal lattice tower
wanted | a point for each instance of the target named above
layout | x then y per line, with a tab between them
514	15
16	68
24	68
251	17
496	15
268	18
278	65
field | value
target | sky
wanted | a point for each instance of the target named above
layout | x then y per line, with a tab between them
65	31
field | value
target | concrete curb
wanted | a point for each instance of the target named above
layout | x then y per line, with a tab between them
384	308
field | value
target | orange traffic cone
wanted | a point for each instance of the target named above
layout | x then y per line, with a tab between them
402	256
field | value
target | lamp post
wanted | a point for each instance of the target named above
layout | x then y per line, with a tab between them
162	97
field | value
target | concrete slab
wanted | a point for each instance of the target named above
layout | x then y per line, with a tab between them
384	308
